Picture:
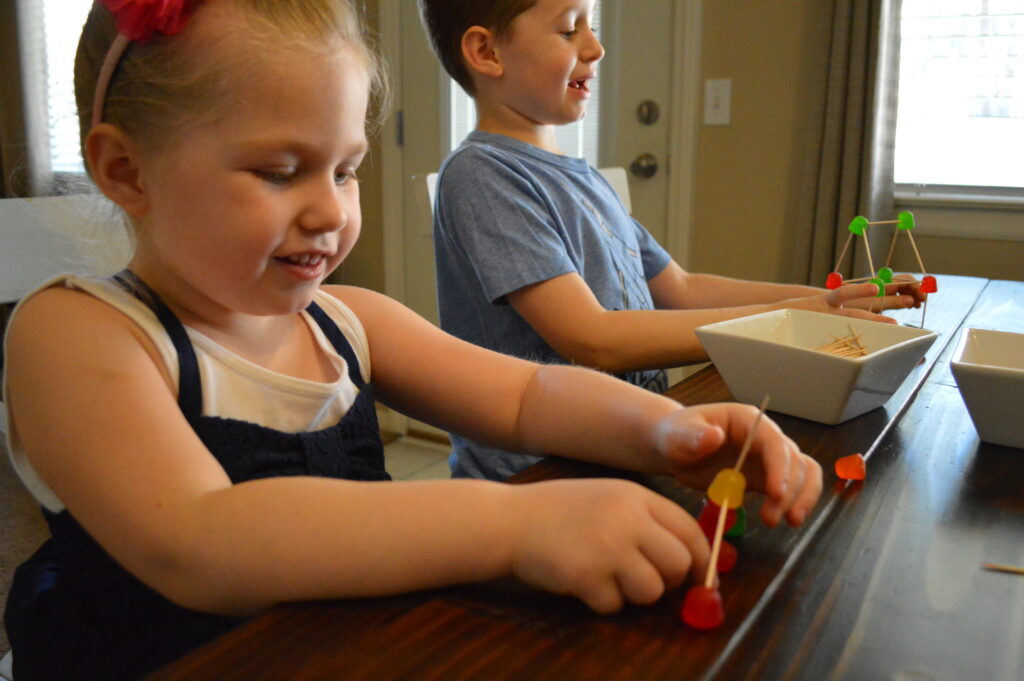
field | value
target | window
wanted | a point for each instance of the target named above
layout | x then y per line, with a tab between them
62	22
960	126
578	139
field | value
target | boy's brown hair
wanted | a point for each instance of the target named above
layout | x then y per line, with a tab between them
446	21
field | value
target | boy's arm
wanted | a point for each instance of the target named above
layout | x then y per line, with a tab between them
565	313
676	289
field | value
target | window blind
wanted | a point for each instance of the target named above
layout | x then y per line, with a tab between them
61	27
961	94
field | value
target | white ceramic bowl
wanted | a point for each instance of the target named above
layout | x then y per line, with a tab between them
989	370
773	354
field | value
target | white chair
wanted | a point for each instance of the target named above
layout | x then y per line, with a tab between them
616	177
41	238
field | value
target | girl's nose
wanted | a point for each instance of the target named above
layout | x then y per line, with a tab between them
325	209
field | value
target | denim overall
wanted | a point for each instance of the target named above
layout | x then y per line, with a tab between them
73	613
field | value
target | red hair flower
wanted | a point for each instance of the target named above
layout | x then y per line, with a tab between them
140	19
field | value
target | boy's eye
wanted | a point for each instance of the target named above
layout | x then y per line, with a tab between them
569	34
343	176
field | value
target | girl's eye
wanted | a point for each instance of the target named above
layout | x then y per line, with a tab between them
569	34
343	176
275	176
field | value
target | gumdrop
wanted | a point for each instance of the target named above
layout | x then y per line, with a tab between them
877	281
929	285
738	528
858	224
852	467
905	220
728	487
708	518
834	280
885	274
702	608
727	555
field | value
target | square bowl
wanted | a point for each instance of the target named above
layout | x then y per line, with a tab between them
989	370
775	353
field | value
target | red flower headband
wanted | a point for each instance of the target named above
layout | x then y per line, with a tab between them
136	20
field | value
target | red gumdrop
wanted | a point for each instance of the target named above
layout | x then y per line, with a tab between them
852	467
708	518
727	555
929	285
702	608
834	280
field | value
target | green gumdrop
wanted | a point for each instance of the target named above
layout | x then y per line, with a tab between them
885	274
740	526
881	286
905	220
858	224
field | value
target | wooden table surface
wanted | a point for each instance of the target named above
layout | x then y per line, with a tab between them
882	582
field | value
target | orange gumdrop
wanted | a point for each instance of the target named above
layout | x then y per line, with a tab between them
852	467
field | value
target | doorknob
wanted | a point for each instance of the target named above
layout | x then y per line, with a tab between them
644	165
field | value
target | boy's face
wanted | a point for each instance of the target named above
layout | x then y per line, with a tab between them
548	58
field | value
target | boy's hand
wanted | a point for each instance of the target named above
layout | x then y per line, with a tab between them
604	541
904	291
700	441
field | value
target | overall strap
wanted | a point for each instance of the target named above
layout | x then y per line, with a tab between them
339	342
190	392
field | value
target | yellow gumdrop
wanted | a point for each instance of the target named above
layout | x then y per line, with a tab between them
728	484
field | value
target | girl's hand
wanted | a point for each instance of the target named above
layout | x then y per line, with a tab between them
604	541
700	441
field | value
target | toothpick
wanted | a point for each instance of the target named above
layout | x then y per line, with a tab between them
750	435
916	253
1013	569
716	545
892	246
867	249
884	222
843	253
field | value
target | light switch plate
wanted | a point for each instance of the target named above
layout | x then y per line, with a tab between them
717	101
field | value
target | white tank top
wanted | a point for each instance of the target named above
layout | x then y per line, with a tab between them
233	387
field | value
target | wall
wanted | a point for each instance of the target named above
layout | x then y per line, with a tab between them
749	175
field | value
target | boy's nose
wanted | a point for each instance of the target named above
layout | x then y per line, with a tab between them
593	50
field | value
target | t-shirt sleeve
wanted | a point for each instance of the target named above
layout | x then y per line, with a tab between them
497	220
652	255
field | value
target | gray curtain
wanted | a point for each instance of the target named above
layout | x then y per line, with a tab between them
24	132
854	169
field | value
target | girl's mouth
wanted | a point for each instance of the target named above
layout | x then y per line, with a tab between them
580	84
305	266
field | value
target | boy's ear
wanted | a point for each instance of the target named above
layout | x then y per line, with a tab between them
114	164
480	52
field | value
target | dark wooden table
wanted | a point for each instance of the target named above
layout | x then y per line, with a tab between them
883	582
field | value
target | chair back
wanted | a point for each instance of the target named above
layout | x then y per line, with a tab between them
43	237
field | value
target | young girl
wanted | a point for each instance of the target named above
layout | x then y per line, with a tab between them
200	428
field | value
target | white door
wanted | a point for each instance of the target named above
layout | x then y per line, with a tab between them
649	64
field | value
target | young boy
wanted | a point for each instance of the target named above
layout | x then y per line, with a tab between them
536	255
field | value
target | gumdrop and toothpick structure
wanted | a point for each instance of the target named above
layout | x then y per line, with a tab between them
858	227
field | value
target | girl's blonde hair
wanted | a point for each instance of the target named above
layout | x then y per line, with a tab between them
167	84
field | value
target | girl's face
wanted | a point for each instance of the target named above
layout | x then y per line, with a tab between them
250	214
549	57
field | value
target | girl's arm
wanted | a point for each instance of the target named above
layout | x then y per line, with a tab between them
96	413
565	313
571	411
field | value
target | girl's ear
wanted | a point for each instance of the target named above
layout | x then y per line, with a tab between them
114	163
480	52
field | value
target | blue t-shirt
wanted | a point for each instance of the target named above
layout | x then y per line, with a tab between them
509	214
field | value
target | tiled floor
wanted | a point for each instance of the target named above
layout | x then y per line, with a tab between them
410	458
